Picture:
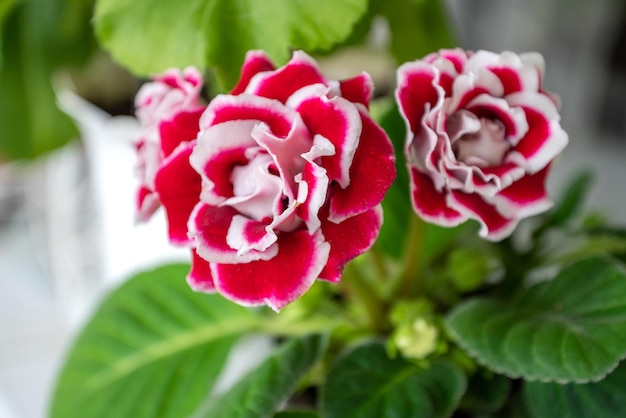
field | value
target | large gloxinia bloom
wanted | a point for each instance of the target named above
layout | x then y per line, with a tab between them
481	136
293	171
168	109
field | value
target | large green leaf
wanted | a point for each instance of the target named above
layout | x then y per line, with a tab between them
150	35
572	328
263	390
603	399
366	383
153	348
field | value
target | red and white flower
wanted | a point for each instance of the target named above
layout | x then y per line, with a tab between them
481	135
293	170
168	109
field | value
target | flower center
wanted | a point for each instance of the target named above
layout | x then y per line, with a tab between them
477	141
256	187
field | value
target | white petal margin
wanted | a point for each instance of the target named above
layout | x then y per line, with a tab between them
557	138
219	255
352	119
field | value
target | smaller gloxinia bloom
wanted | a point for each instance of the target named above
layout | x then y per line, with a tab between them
481	136
168	109
293	171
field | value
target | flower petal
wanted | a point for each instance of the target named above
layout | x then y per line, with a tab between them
545	138
358	89
227	108
254	63
183	127
199	277
362	231
431	204
178	186
416	88
300	71
245	235
525	197
313	183
214	158
494	226
209	227
278	281
337	120
373	169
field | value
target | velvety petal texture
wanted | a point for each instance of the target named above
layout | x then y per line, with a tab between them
169	109
481	135
271	185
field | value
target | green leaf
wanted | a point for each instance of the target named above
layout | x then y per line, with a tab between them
603	399
153	348
296	414
149	36
572	199
486	393
38	38
367	383
570	329
569	204
417	27
262	391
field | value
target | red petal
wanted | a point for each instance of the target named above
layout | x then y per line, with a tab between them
301	71
181	128
254	63
246	107
349	239
338	121
372	172
431	204
209	226
525	197
415	90
278	281
494	226
539	131
358	89
510	79
178	186
199	277
147	203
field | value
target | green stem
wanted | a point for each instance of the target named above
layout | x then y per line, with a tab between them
378	263
363	293
408	284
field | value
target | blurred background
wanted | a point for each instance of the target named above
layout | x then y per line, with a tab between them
67	230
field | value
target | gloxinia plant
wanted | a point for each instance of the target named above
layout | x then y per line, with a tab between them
288	176
482	134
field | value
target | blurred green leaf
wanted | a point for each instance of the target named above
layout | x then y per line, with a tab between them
149	36
153	348
296	414
366	383
569	203
38	38
418	27
570	329
603	399
486	393
468	268
261	392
